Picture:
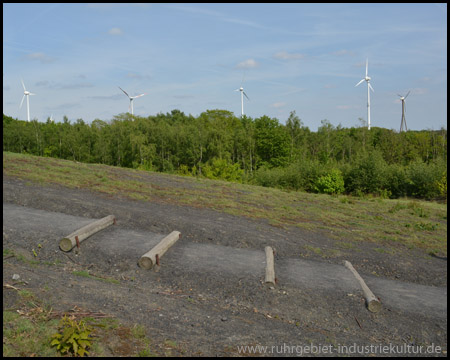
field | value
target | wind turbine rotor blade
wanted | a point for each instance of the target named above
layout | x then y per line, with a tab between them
399	95
367	66
359	82
371	88
31	94
245	95
124	91
21	103
407	94
23	85
134	97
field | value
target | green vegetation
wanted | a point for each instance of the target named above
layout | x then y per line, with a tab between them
24	336
398	224
332	183
33	329
73	337
85	273
261	151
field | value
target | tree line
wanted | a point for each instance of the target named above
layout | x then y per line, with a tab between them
216	144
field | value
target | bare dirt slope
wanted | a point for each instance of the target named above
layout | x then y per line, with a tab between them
208	296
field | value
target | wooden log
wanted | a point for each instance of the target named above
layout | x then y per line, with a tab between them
149	259
373	304
270	271
67	243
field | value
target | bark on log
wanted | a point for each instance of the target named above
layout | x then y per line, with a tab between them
373	304
67	243
148	260
270	271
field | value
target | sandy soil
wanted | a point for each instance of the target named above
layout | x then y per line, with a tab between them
208	295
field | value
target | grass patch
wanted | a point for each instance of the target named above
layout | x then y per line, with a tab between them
7	253
24	337
86	274
29	326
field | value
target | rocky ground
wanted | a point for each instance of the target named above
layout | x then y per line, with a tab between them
205	310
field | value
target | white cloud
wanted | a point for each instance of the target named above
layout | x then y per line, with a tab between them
247	64
108	6
69	105
419	91
283	55
115	31
244	22
77	86
278	104
343	52
40	57
194	10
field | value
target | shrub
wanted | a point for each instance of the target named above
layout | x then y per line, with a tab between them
308	171
367	174
396	180
298	176
268	177
423	179
331	183
442	185
223	169
184	170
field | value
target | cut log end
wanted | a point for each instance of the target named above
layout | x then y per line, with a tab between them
69	241
145	262
374	306
65	244
153	257
269	284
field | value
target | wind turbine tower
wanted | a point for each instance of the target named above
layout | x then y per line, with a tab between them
131	99
27	95
241	89
403	123
369	87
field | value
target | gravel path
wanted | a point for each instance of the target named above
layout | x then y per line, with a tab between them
209	294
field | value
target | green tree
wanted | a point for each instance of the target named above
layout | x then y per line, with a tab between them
272	142
293	126
367	174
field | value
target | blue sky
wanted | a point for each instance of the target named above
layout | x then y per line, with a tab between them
191	57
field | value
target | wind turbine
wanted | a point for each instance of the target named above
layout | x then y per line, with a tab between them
367	79
27	94
131	99
402	98
241	89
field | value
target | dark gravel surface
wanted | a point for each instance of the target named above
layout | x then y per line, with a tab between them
208	296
